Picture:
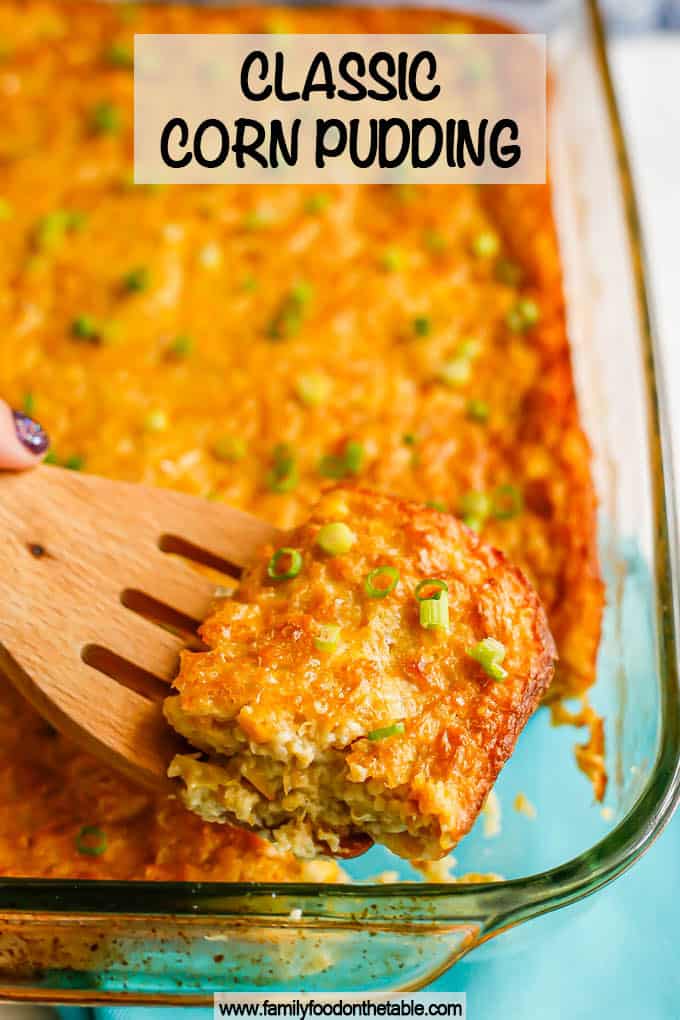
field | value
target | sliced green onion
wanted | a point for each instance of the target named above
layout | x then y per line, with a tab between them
53	227
74	463
336	538
84	327
283	475
387	731
327	637
507	502
432	588
508	272
50	457
475	506
523	315
255	219
290	315
284	564
477	410
230	448
28	403
350	462
422	325
316	204
434	612
313	389
136	280
156	421
354	457
437	504
474	522
486	245
381	581
91	841
435	242
105	119
455	372
120	55
490	654
392	260
469	349
249	284
182	346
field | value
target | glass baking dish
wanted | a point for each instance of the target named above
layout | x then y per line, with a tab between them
92	942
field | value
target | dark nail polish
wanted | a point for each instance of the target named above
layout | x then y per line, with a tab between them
31	434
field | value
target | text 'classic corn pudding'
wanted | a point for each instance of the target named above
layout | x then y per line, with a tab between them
372	677
253	345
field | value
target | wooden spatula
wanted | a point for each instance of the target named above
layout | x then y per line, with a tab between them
80	558
87	573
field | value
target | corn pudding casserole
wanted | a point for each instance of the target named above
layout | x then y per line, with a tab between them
372	677
253	345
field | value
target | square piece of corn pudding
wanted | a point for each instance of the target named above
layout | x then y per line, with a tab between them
370	677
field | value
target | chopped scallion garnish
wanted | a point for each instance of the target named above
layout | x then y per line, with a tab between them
312	389
437	504
105	119
523	315
431	588
290	315
381	581
230	448
508	272
486	245
507	502
435	242
422	325
475	504
120	55
74	463
327	636
316	204
434	611
84	327
335	538
283	475
182	346
91	841
136	280
53	227
490	654
28	403
478	410
392	260
350	462
284	564
387	731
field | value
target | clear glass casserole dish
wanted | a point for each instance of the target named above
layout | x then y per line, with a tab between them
178	942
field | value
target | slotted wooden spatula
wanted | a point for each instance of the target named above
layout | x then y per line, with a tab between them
80	558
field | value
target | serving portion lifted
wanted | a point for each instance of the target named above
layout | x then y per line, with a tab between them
370	678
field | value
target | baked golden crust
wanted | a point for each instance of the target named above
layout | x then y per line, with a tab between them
286	722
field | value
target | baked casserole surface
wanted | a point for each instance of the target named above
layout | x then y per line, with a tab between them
253	345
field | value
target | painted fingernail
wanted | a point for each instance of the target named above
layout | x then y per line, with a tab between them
31	434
